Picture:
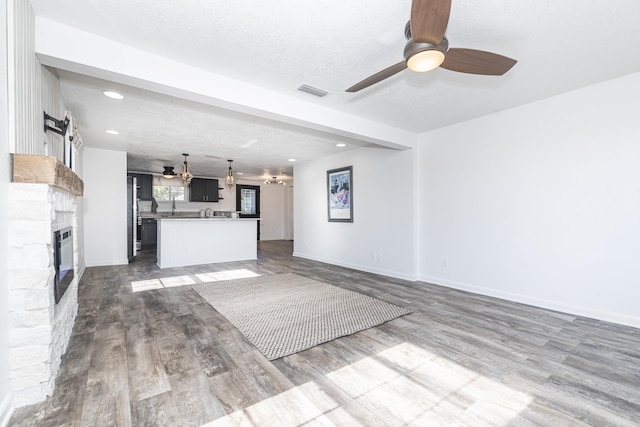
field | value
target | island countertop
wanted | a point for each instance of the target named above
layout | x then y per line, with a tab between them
214	218
186	241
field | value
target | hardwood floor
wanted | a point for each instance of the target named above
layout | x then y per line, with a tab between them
165	357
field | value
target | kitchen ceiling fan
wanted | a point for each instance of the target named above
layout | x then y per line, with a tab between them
427	48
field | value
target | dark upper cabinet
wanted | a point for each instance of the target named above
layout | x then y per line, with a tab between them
145	185
203	190
197	188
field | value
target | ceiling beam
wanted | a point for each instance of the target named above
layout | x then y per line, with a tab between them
70	49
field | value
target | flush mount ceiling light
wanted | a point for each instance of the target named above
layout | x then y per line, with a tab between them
185	175
230	179
112	94
168	172
275	180
423	57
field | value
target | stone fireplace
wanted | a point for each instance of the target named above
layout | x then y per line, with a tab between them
42	200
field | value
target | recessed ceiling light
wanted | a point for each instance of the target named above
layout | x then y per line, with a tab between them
340	145
112	132
292	160
112	94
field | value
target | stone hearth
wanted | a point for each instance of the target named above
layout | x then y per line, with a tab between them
40	329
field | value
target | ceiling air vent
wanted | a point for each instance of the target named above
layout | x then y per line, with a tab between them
313	91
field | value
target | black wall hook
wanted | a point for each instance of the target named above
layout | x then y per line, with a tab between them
60	125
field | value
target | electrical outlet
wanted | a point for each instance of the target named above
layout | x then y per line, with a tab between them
306	245
445	262
380	256
374	256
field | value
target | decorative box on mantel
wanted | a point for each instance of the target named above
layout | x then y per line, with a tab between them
42	201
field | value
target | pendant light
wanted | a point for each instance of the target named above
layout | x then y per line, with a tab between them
185	175
230	179
168	172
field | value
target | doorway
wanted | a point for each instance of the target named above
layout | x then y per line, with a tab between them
248	203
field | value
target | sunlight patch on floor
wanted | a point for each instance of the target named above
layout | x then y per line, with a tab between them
418	387
145	285
290	408
226	275
170	282
403	385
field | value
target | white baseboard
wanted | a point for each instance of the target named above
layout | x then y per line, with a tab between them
6	409
106	262
560	306
81	270
367	268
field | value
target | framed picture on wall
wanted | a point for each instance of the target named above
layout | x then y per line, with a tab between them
340	194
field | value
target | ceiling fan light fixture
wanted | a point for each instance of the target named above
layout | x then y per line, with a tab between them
168	172
425	60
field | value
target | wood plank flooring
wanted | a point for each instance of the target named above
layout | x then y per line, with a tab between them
164	357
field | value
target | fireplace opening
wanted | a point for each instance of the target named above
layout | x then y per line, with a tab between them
63	261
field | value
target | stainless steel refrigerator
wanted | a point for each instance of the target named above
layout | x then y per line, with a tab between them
132	217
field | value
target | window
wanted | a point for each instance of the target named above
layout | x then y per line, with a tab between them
168	189
248	201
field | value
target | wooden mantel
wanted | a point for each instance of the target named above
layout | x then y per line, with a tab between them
33	169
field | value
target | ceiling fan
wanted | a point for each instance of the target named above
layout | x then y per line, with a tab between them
427	48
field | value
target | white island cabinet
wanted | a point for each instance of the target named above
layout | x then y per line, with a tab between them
193	241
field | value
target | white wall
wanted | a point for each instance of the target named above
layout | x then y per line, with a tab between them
539	204
273	211
105	207
79	170
26	135
289	213
381	239
5	387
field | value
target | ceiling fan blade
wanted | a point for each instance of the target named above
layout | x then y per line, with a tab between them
378	77
473	61
429	20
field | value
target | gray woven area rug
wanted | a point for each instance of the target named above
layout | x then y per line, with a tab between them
287	313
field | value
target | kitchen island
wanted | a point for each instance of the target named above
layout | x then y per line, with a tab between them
193	241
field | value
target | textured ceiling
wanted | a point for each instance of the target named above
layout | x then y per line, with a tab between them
331	44
156	129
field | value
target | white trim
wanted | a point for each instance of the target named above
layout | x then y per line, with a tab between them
359	267
538	302
11	76
107	262
6	409
81	270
